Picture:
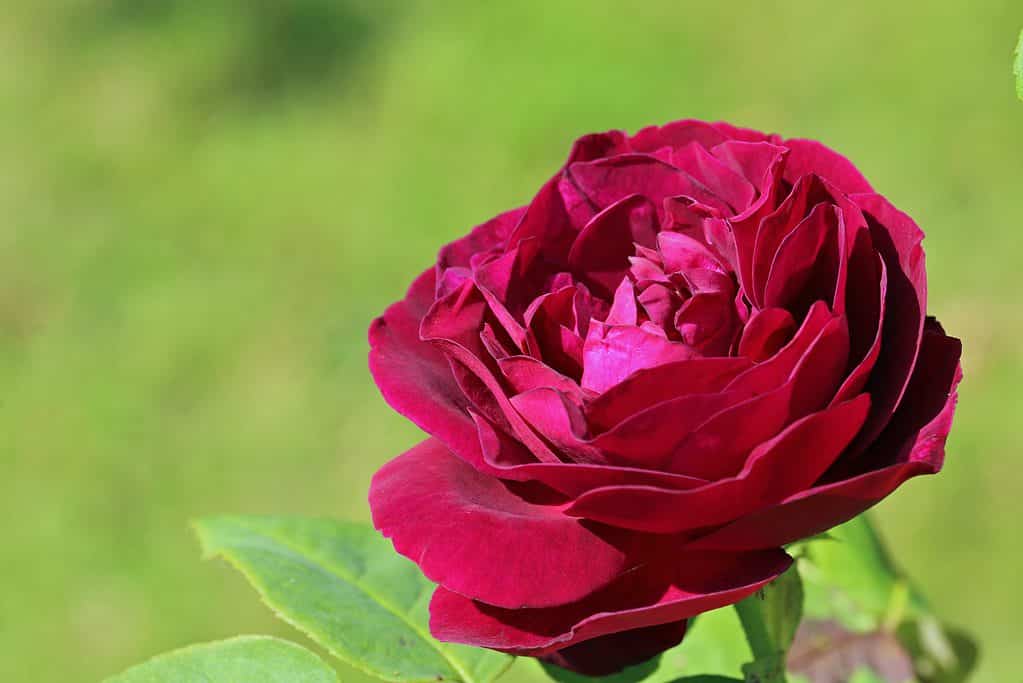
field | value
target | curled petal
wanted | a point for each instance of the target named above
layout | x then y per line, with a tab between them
459	525
777	468
682	585
914	444
414	376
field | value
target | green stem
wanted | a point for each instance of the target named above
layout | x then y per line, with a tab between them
751	615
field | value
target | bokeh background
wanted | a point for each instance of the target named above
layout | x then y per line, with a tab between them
205	202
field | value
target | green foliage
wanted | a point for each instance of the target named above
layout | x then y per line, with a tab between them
345	587
770	619
248	659
852	581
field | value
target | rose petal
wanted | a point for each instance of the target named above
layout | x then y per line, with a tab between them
504	457
766	332
609	654
897	239
679	587
445	516
646	388
606	181
806	264
809	156
922	429
414	377
600	253
612	353
453	325
794	459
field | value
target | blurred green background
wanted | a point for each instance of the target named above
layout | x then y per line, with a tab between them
205	202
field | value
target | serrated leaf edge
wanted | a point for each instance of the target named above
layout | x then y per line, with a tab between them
209	553
214	643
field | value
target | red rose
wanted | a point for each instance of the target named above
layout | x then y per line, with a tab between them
695	345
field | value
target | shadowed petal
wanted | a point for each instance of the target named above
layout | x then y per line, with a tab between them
680	587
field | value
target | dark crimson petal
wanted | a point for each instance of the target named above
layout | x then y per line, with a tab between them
786	464
551	319
646	388
490	235
506	458
648	438
645	439
791	214
773	372
606	181
897	239
916	446
679	586
745	134
453	325
460	526
547	223
580	209
414	377
707	323
809	156
680	134
560	421
809	247
525	373
719	447
865	315
937	370
717	176
600	254
767	331
608	654
759	162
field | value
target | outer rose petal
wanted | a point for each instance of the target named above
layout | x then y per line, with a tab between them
460	526
682	586
809	156
608	654
921	426
414	377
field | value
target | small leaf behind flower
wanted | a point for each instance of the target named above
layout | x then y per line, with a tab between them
783	608
252	659
344	586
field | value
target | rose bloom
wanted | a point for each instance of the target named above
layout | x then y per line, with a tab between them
695	345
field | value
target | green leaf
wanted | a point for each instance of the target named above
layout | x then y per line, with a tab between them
707	679
943	654
345	587
253	659
1018	67
850	578
782	607
645	672
854	582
